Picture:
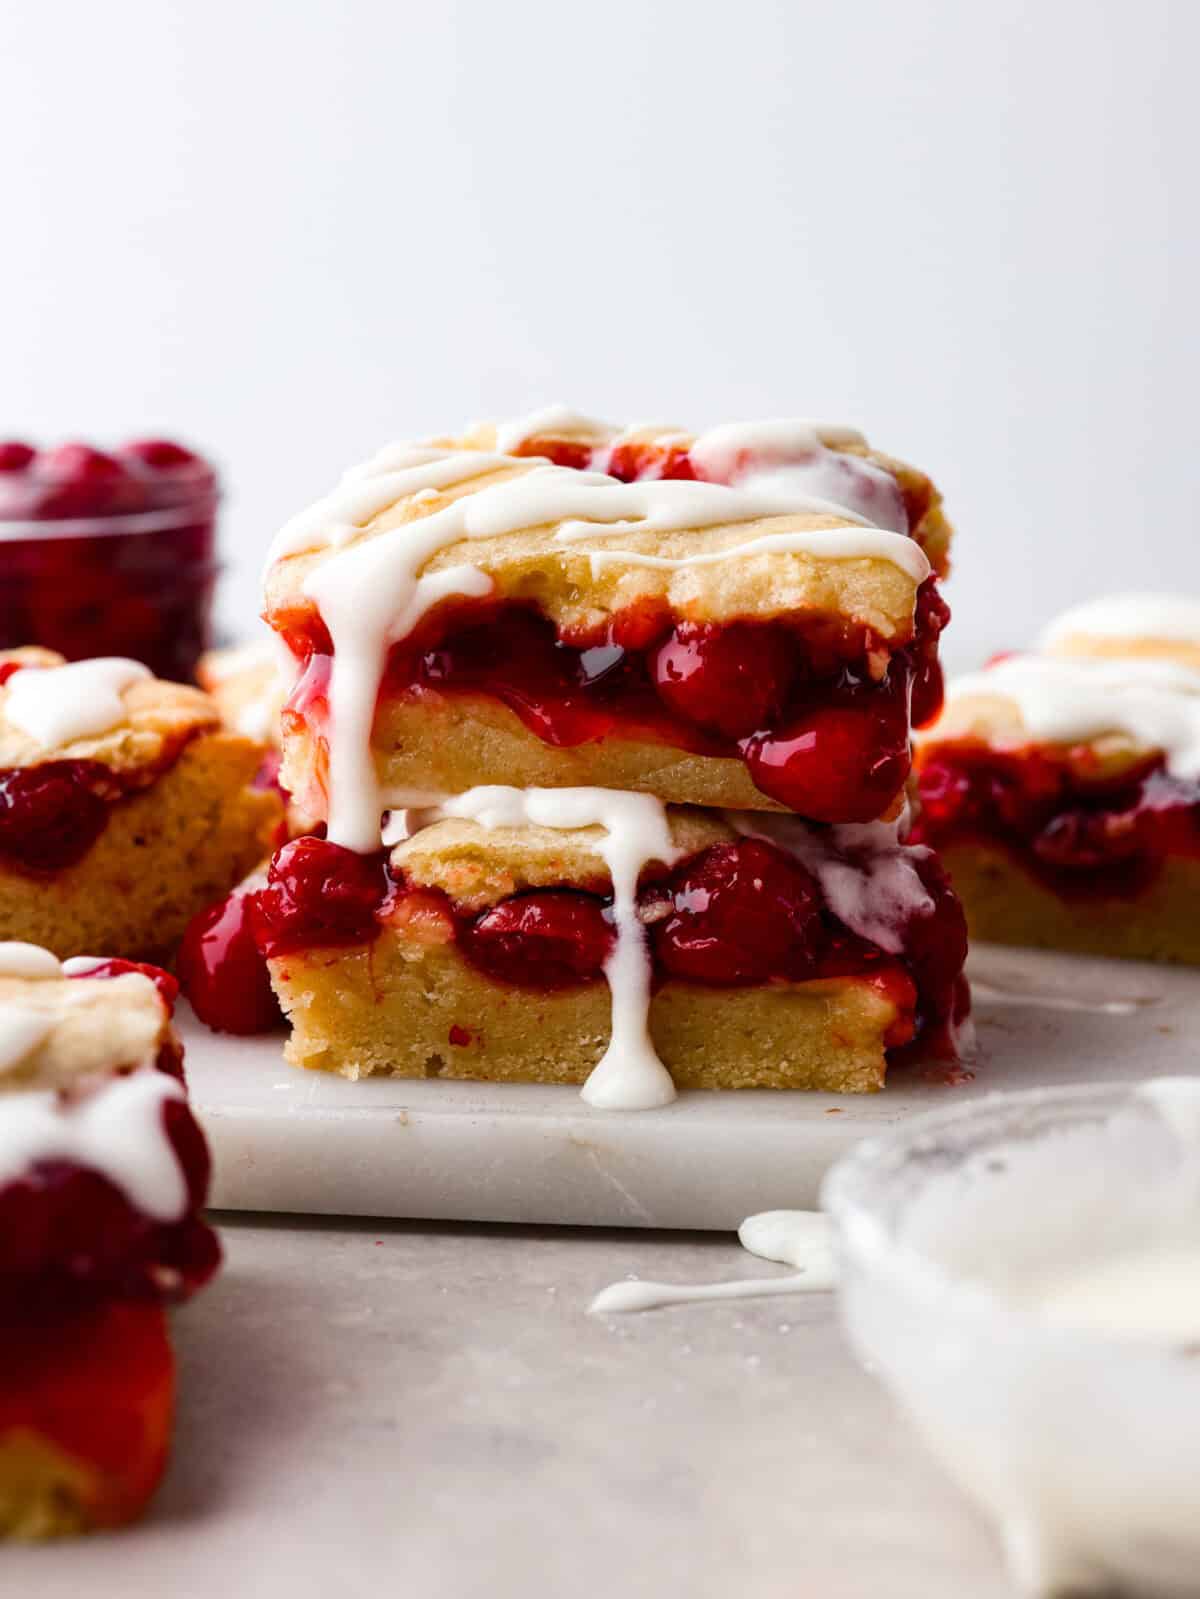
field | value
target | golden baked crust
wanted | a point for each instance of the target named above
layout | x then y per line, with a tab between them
160	717
529	565
1005	904
932	531
44	1493
447	745
165	853
417	1009
100	1024
1182	651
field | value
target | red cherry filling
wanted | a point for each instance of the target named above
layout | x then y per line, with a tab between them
51	815
15	456
168	988
734	679
318	894
741	913
96	1383
834	763
223	973
549	940
1082	838
935	945
928	686
67	1233
795	702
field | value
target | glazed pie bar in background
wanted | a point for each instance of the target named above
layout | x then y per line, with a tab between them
247	687
125	805
742	619
1062	788
586	935
103	1176
248	684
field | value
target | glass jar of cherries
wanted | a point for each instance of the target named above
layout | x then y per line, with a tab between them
108	554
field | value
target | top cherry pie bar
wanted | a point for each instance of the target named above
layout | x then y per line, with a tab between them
746	619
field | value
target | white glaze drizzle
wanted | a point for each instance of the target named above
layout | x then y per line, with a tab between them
1063	699
833	543
797	1238
777	455
58	704
1174	618
866	873
22	1029
630	1075
551	421
394	473
82	965
116	1131
28	960
1177	1101
371	594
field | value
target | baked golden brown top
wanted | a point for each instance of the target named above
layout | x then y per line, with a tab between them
93	1025
158	717
927	522
667	544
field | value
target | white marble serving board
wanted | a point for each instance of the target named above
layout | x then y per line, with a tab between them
286	1140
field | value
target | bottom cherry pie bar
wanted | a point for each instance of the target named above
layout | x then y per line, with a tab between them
589	936
103	1174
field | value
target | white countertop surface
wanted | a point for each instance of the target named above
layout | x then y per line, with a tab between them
425	1410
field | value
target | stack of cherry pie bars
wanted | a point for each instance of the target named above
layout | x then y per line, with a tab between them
607	734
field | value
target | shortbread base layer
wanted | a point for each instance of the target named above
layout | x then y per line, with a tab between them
164	854
400	1009
1005	904
445	745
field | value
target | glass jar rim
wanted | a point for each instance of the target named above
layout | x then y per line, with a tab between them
130	524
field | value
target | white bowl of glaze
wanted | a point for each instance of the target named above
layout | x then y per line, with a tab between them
1024	1274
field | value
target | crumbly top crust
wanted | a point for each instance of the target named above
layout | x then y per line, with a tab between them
580	597
96	1025
477	866
933	533
159	717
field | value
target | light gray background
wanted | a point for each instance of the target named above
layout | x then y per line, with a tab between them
291	231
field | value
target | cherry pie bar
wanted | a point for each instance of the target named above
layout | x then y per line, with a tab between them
745	619
125	805
103	1176
248	685
1062	788
592	936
